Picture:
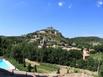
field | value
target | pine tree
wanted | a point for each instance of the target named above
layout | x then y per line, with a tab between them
58	71
67	71
35	68
29	68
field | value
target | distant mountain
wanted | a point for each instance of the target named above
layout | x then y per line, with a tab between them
88	40
53	38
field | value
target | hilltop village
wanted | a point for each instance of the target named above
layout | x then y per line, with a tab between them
47	52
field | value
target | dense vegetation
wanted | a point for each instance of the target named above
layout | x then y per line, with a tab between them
17	49
72	58
88	42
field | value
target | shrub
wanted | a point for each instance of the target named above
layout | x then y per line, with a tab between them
29	68
35	68
58	71
91	64
100	72
76	71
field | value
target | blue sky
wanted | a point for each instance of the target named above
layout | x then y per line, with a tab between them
71	17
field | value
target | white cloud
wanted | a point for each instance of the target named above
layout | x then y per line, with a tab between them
70	6
99	3
60	4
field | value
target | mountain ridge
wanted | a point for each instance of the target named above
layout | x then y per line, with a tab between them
54	37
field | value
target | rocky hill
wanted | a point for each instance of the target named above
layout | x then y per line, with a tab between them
49	36
53	38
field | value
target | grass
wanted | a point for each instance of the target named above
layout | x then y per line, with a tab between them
47	68
17	65
42	68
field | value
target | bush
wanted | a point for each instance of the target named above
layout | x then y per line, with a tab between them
58	71
1	53
100	72
68	71
99	48
29	68
93	52
76	71
35	68
91	64
81	63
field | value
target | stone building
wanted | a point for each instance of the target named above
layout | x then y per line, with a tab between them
85	53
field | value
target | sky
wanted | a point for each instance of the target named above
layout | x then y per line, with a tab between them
73	18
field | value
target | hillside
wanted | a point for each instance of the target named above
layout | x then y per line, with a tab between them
31	46
51	37
87	41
